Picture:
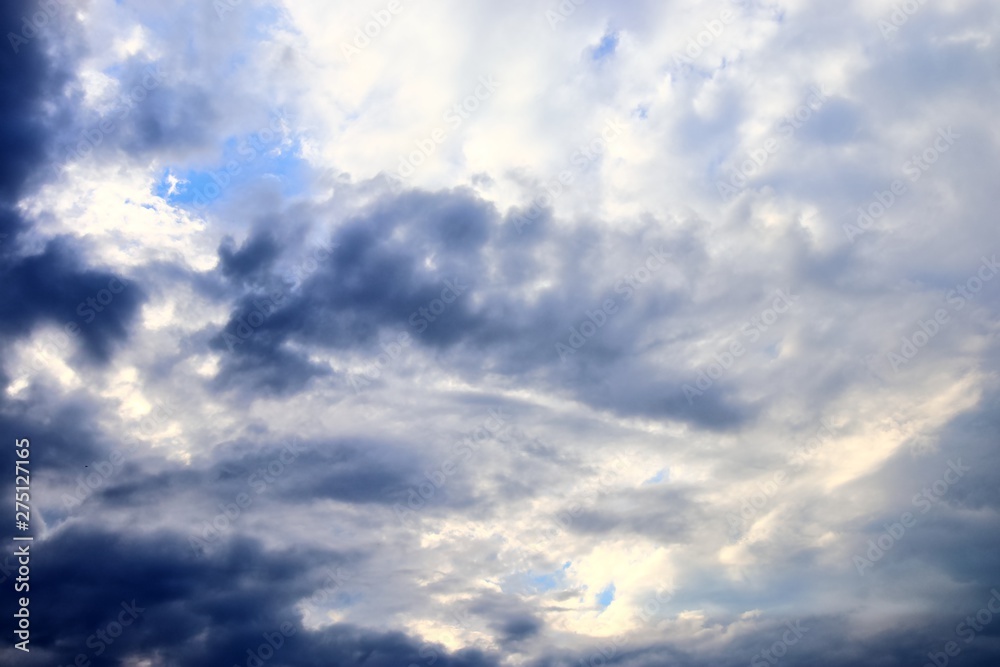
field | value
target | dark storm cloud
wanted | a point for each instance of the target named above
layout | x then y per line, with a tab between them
512	618
197	612
51	287
355	473
657	399
68	427
27	80
219	501
519	627
256	254
296	472
173	115
364	286
377	278
446	270
261	365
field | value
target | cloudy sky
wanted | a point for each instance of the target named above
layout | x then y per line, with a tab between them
406	333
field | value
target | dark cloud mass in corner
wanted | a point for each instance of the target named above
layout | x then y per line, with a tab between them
46	287
363	334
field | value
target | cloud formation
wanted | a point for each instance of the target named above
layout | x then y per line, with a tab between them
543	334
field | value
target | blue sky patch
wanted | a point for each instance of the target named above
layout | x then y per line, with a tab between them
607	46
661	476
606	597
245	161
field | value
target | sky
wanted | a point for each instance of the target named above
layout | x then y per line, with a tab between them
407	333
